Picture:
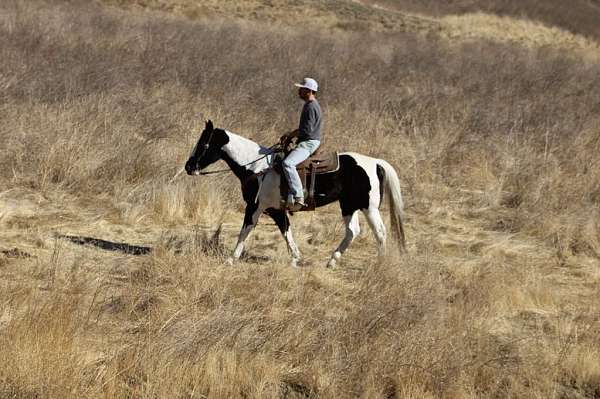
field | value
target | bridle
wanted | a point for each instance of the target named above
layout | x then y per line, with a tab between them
277	148
207	145
273	150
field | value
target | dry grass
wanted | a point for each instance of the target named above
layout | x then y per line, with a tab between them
496	145
532	23
480	26
576	16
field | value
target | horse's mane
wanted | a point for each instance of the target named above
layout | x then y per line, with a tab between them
263	149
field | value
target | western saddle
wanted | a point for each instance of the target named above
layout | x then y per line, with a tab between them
317	164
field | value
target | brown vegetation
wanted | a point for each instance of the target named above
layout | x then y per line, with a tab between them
577	16
496	146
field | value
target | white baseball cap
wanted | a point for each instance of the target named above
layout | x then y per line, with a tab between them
308	83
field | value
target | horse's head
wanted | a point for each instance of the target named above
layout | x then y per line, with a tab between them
207	149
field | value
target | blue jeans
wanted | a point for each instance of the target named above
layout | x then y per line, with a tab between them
302	151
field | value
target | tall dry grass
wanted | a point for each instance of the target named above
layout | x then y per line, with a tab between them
169	326
115	101
100	108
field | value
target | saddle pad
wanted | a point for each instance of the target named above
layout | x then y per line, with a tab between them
321	163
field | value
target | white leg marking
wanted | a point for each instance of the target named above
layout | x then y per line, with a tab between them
244	233
237	252
289	239
378	227
352	231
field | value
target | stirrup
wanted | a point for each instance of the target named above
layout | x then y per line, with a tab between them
298	206
300	202
294	207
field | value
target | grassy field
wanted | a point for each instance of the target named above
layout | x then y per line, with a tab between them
491	121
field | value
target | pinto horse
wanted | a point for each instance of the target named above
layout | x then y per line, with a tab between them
358	184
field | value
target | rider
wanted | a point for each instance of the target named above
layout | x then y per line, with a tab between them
308	140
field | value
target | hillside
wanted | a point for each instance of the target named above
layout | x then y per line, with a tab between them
578	17
113	282
537	23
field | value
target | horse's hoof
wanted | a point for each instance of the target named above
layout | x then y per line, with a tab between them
335	258
229	262
294	263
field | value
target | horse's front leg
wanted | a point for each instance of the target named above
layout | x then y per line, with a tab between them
283	222
253	212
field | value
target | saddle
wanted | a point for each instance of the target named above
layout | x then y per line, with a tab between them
316	164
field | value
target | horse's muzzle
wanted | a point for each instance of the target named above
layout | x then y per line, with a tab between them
191	169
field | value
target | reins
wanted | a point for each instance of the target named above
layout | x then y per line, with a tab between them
273	147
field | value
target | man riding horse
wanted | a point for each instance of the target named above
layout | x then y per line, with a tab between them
308	140
358	183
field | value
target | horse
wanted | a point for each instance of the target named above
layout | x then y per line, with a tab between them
358	184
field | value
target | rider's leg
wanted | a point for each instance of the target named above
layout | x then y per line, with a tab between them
289	168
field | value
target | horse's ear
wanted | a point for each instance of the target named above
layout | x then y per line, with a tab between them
209	125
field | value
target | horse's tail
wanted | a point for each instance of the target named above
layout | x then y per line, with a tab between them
391	183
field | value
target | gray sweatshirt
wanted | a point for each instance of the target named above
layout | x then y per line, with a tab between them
310	122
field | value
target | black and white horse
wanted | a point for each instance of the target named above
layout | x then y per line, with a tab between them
358	184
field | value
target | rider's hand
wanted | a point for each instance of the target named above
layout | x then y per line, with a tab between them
285	139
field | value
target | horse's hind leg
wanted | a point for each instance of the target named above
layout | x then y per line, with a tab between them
378	227
283	222
352	231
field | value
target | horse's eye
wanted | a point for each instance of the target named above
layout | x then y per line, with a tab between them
206	146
